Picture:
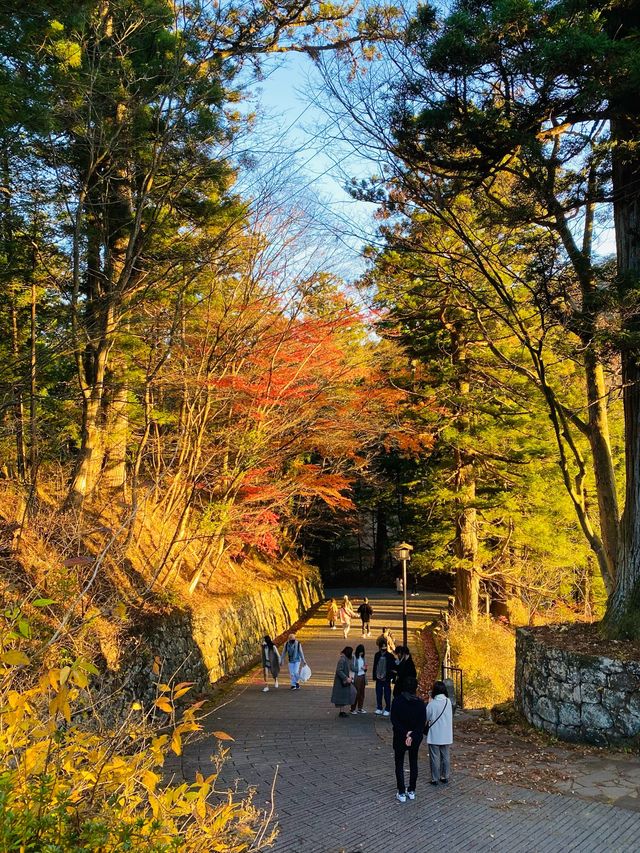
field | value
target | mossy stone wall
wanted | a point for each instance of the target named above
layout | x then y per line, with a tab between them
576	697
218	636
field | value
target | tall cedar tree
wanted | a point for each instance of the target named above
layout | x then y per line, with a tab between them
478	499
546	93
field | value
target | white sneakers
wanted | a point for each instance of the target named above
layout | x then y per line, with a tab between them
386	713
402	798
276	685
378	711
361	711
265	689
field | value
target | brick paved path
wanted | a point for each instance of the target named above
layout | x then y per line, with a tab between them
335	783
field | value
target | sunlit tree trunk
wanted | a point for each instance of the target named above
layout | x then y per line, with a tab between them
623	613
8	239
467	581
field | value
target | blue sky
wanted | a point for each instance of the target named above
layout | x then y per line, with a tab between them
296	136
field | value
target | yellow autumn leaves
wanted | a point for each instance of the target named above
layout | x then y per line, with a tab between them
70	783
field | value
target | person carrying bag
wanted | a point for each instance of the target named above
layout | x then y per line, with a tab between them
439	730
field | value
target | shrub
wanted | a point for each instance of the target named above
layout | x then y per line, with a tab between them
67	786
486	655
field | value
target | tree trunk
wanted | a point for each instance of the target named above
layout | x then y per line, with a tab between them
381	543
116	432
90	456
623	612
467	586
602	461
8	239
90	363
18	402
119	218
467	583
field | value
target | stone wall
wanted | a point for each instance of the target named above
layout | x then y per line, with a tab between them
219	636
574	696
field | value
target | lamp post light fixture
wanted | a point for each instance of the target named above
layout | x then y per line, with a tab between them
402	552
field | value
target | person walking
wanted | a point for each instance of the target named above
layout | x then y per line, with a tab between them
293	651
405	668
386	639
408	717
359	669
366	612
440	734
332	613
347	613
383	671
270	662
341	694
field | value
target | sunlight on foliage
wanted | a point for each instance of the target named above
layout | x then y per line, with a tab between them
70	785
486	654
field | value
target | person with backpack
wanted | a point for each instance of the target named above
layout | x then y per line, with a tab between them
383	672
408	718
366	612
293	651
270	662
440	733
386	638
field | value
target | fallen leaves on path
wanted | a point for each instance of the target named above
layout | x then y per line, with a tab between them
500	754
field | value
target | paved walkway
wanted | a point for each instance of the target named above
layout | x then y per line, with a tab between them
334	780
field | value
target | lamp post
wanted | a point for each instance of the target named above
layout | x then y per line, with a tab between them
402	552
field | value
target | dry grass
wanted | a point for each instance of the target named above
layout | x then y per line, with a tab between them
486	654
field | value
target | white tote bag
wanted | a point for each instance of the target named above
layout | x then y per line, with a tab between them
305	673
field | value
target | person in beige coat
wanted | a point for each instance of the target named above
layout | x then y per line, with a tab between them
347	613
440	734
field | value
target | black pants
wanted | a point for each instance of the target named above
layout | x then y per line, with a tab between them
399	751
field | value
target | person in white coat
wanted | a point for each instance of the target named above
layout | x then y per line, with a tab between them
440	734
347	613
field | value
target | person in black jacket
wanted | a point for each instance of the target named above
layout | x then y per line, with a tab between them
408	718
366	612
405	668
384	668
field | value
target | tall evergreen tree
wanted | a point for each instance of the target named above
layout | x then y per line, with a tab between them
531	108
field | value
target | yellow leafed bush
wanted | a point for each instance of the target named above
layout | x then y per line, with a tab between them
66	788
486	654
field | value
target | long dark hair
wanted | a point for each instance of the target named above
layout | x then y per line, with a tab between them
410	685
268	641
347	651
360	650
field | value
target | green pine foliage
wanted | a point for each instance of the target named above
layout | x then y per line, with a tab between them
478	401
